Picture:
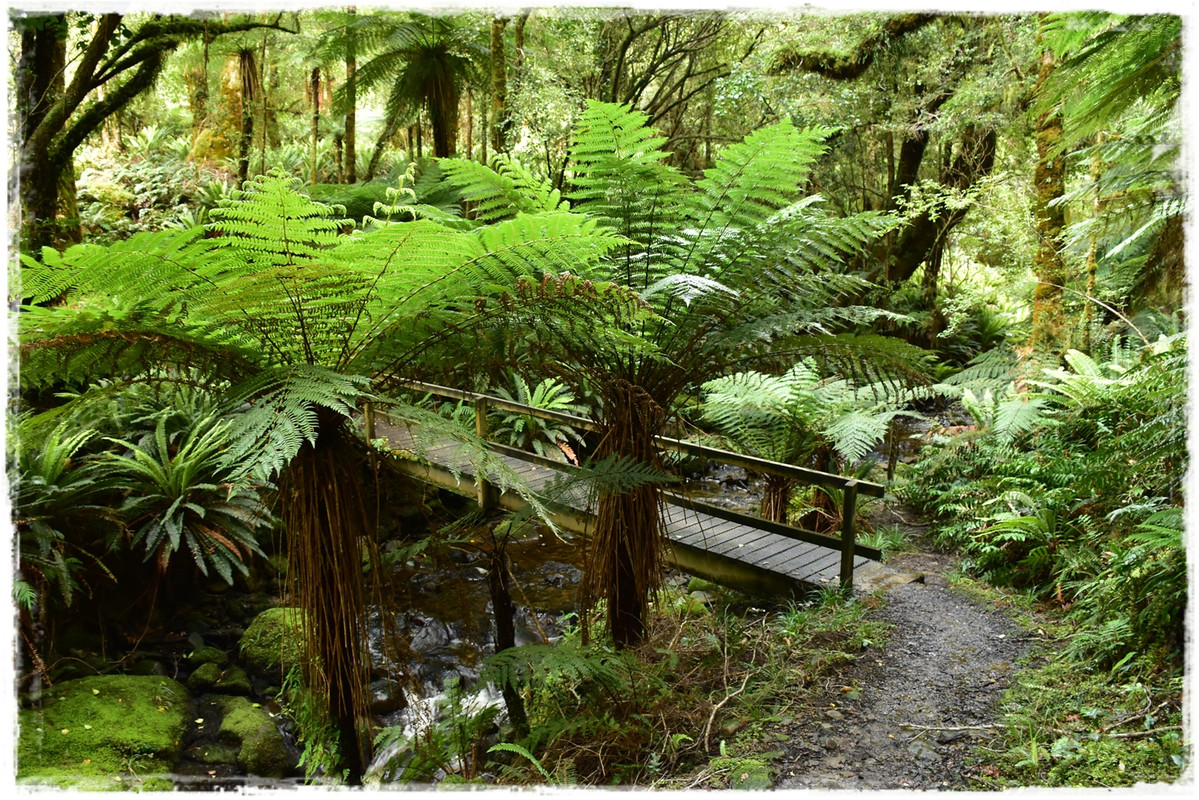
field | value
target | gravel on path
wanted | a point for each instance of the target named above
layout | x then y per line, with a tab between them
921	704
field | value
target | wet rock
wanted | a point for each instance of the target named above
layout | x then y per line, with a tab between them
207	654
387	697
261	749
271	643
923	750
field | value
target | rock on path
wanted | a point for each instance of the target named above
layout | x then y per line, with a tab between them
943	667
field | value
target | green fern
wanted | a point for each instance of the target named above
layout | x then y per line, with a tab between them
502	189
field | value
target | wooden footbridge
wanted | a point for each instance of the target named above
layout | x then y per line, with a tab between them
750	553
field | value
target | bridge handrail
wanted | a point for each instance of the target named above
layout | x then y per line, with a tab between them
803	474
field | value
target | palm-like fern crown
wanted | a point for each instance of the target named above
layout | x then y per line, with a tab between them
298	315
1110	63
733	261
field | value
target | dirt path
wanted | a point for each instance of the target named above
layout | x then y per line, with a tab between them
942	669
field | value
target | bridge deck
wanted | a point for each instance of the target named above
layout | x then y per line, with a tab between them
726	551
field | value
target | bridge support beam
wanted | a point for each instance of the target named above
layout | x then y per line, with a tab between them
849	509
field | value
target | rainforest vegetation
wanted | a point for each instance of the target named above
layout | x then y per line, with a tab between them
938	251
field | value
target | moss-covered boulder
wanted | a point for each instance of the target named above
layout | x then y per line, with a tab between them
271	644
206	654
260	747
211	678
106	731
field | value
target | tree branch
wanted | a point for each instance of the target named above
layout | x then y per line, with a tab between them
848	67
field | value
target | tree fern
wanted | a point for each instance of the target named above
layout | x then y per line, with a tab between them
1116	59
502	189
269	223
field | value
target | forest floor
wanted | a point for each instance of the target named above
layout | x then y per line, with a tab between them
911	715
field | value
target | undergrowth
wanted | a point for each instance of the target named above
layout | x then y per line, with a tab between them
1063	724
696	706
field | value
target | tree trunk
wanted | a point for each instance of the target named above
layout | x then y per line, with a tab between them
198	96
775	498
249	82
316	121
504	611
351	102
41	175
625	566
1049	331
518	47
325	519
470	124
499	87
1093	249
443	117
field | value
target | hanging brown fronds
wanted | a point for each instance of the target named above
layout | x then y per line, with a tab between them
325	520
625	564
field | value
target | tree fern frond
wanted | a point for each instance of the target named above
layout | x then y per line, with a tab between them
281	413
270	223
502	190
146	266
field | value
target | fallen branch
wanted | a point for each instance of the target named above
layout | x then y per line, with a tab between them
1139	734
718	706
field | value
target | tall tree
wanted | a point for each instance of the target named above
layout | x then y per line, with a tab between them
54	118
1114	90
425	60
1049	329
500	123
937	122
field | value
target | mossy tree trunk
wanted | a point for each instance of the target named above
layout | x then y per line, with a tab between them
351	136
1049	329
248	74
499	86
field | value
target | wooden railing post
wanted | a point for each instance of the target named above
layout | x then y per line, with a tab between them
485	491
848	511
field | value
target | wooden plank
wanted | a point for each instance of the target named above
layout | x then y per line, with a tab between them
798	564
774	550
827	566
710	539
775	527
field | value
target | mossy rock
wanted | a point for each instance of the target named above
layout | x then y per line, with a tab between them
211	678
260	747
206	654
106	731
271	644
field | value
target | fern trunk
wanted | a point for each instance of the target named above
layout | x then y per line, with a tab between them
325	521
776	495
625	564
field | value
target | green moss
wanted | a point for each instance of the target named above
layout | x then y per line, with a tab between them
271	644
105	731
261	750
211	678
203	655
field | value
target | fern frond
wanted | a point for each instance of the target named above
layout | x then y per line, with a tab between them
503	189
280	413
270	223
